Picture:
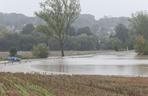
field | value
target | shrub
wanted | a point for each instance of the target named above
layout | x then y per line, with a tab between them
40	51
141	45
115	44
13	52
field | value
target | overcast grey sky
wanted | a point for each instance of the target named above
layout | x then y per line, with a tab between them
99	8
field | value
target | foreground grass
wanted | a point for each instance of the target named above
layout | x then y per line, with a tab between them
39	85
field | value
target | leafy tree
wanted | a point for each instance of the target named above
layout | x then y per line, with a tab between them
86	42
59	15
85	30
122	32
81	42
141	45
71	31
23	42
72	43
46	31
138	24
40	51
13	52
116	44
28	28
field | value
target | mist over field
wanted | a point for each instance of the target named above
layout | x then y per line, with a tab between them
73	47
98	8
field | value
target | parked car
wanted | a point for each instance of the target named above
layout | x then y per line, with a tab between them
13	59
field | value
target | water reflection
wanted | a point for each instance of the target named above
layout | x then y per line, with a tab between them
101	64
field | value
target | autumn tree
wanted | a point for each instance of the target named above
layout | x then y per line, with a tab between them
138	24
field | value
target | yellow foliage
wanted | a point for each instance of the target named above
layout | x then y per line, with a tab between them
140	40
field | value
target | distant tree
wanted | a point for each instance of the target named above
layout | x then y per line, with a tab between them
115	44
40	51
46	31
3	29
59	15
122	34
29	28
23	42
86	42
139	44
85	30
138	24
13	52
82	42
71	31
26	41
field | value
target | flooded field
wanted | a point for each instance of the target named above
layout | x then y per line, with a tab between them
103	63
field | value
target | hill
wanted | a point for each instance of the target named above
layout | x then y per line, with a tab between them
105	25
16	22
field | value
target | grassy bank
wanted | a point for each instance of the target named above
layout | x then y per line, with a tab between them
28	54
38	85
71	53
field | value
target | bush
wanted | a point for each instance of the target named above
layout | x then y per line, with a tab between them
115	44
40	51
141	45
13	52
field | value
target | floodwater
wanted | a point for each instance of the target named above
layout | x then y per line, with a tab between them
103	63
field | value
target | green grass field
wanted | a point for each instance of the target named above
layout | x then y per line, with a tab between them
41	85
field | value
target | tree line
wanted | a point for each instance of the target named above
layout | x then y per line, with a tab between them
82	39
58	33
123	38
